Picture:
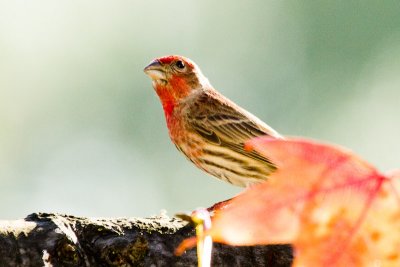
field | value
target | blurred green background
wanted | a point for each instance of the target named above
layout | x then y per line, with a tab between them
82	131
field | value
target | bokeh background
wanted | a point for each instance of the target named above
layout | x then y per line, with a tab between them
82	131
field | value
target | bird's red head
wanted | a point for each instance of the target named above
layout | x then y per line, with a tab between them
174	78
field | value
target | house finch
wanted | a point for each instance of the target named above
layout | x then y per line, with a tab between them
209	129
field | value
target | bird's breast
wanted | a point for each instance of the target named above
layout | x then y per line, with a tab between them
187	141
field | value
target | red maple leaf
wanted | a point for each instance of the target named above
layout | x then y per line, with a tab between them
335	208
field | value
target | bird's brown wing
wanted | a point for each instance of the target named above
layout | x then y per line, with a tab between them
221	122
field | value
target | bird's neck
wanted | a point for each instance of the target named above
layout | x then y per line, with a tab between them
167	99
171	93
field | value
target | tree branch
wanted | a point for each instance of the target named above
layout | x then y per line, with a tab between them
44	239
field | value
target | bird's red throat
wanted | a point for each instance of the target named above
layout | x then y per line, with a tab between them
171	93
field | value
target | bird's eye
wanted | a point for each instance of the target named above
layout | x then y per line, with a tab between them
180	64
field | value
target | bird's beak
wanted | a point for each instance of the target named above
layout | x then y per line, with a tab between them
155	70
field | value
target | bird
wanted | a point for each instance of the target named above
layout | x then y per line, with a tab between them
207	127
